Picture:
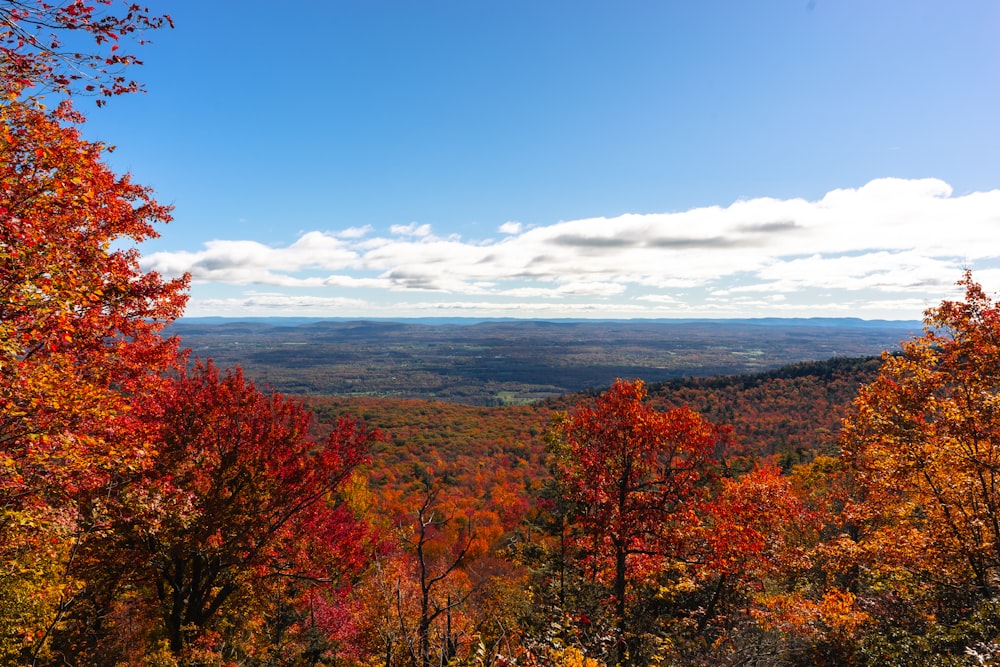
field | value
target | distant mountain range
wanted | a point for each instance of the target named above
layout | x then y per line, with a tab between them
764	321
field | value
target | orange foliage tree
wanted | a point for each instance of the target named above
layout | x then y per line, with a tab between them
436	590
922	539
759	542
79	331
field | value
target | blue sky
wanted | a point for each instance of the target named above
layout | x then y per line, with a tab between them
569	159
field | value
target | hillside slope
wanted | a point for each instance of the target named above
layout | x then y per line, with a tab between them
791	414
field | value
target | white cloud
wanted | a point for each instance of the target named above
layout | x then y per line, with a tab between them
274	304
354	232
245	262
412	229
887	248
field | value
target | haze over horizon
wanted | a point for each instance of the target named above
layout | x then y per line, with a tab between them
569	159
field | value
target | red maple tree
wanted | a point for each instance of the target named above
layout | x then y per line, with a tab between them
638	480
233	519
72	47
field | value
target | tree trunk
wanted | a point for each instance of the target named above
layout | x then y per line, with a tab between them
619	592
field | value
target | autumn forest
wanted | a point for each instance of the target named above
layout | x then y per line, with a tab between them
159	509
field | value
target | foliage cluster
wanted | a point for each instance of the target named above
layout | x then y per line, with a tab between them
152	511
794	541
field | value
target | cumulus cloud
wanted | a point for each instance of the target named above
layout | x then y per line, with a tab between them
412	229
244	262
354	232
896	242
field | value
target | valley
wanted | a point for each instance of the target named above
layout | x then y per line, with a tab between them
514	362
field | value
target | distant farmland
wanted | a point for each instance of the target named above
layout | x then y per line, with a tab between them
496	362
